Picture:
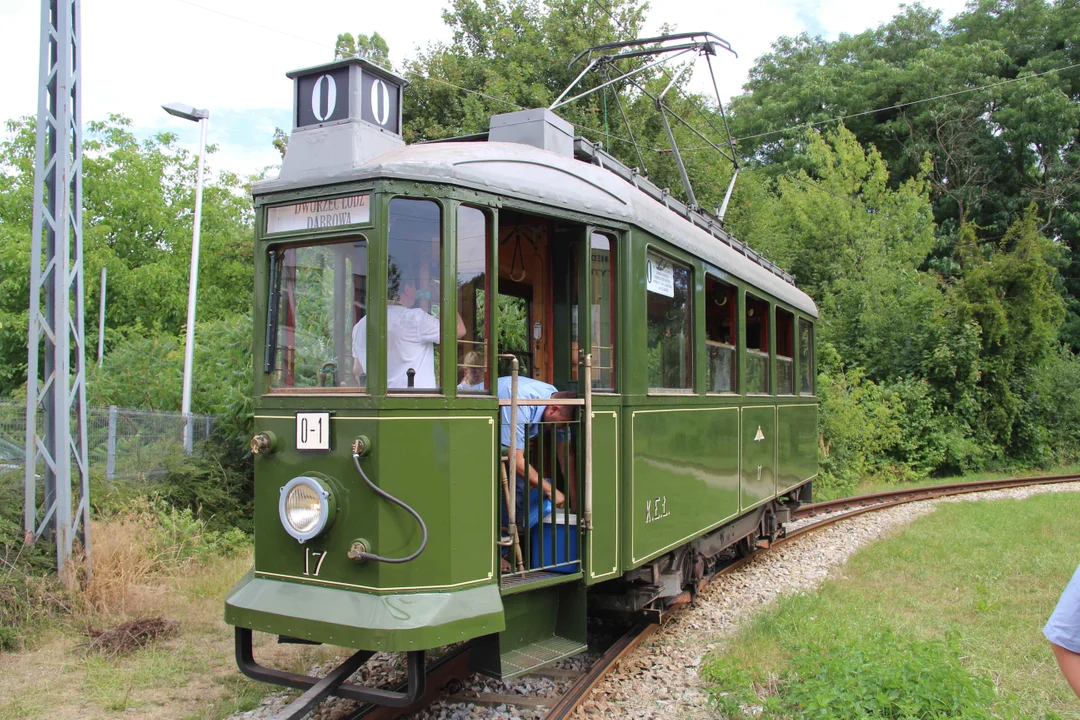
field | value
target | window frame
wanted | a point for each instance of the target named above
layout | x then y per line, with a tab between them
272	326
614	251
776	352
446	300
734	331
691	301
490	301
749	298
811	359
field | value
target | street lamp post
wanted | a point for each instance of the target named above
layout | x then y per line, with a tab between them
187	112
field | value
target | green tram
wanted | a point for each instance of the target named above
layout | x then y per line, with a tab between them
382	520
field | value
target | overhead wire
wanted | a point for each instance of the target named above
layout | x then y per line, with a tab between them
898	106
607	11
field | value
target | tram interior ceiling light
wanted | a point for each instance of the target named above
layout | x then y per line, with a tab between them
304	508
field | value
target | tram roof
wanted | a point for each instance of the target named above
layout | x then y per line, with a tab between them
529	173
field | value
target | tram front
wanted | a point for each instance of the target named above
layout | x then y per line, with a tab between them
374	500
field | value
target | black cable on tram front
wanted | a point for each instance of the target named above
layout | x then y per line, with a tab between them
391	498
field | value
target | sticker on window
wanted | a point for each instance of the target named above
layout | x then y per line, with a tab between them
659	276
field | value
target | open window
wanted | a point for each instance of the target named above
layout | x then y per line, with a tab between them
669	322
806	357
785	352
317	302
473	291
720	325
757	345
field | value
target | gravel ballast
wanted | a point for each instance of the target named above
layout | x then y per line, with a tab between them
660	679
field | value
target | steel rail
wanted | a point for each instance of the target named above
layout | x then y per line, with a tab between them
897	497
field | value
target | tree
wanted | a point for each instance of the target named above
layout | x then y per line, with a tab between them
373	48
137	222
1001	131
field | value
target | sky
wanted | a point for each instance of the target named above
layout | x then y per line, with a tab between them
231	56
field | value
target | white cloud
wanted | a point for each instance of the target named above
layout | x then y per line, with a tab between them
138	54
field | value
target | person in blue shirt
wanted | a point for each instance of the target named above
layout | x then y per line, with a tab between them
529	389
1063	632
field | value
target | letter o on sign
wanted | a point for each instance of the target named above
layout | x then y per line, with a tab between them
380	101
317	97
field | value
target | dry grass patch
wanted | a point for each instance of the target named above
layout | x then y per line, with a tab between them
149	562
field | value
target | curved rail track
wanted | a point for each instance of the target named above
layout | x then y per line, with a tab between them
454	665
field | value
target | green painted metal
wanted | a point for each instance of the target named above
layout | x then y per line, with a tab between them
759	455
602	544
541	627
685	476
441	464
338	616
797	444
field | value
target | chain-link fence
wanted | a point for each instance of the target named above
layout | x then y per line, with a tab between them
121	443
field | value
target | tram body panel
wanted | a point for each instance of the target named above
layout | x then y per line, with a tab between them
603	541
441	465
797	444
758	477
684	478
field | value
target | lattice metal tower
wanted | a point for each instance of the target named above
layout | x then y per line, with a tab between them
62	509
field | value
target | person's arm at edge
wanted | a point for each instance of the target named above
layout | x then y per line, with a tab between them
1069	662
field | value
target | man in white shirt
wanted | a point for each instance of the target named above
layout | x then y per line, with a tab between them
411	334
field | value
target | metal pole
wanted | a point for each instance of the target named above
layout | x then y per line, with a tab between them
101	321
193	284
58	334
110	457
586	518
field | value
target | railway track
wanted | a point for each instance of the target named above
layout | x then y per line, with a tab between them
454	665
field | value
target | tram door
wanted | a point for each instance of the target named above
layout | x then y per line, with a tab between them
539	286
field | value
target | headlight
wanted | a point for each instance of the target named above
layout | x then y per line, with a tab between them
304	507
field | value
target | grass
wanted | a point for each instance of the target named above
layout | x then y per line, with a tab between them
873	485
965	591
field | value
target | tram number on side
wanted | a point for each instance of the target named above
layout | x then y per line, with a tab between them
313	560
313	431
656	509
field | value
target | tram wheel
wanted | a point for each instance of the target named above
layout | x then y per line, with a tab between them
748	545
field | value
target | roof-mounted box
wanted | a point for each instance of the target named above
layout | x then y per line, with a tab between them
538	127
344	114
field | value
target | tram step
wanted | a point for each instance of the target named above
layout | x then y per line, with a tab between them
542	626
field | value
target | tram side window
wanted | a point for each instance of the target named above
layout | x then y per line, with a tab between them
414	273
670	342
757	345
806	357
602	252
720	302
785	352
473	258
318	296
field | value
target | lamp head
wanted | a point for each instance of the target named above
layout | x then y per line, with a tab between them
187	112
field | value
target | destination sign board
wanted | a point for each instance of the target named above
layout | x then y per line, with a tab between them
318	214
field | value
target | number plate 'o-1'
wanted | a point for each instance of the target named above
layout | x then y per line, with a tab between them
313	431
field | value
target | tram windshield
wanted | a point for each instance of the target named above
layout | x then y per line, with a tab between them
318	295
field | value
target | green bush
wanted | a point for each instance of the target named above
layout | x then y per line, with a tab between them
880	676
180	536
217	482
